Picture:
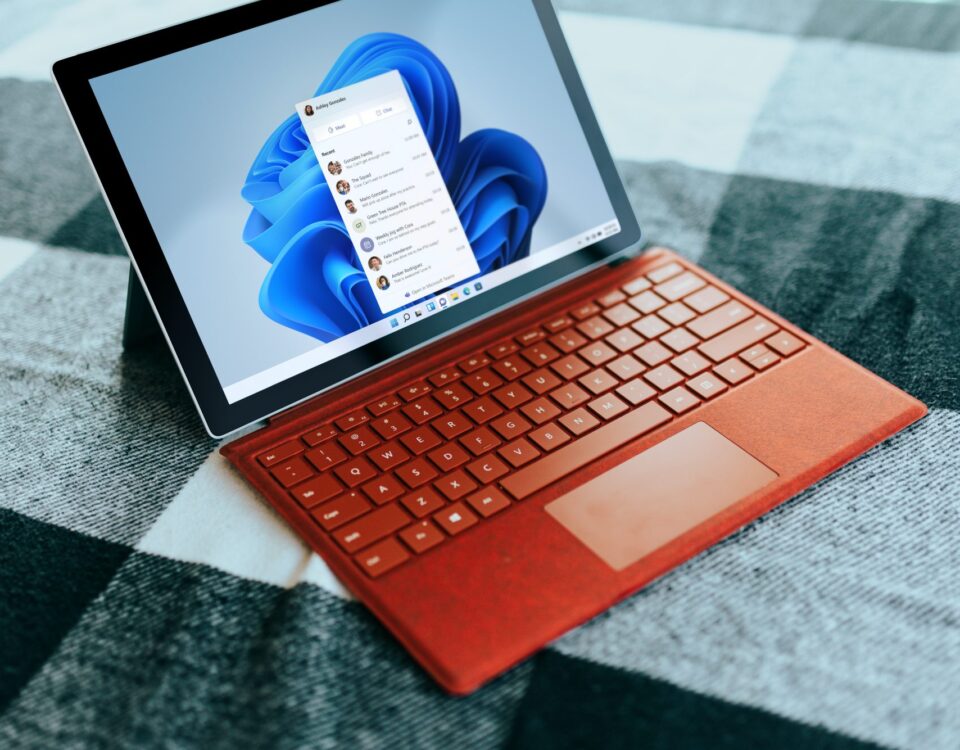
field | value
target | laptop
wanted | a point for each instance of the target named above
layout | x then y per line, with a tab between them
391	255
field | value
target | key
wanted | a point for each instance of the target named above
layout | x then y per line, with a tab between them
519	452
598	381
510	426
568	341
383	489
453	396
540	354
585	311
663	377
416	472
483	410
338	512
540	411
607	407
719	320
355	471
371	528
455	485
733	371
570	367
559	323
737	338
690	363
549	436
381	407
480	441
650	327
679	340
584	450
389	455
707	385
636	286
326	456
663	273
445	376
487	469
677	313
502	349
421	440
320	434
611	298
597	353
293	471
422	410
636	392
647	302
653	353
382	558
621	315
625	367
359	440
452	424
483	381
511	368
488	501
316	490
422	502
422	536
541	381
579	421
281	452
569	396
679	286
448	457
594	328
679	399
706	299
414	391
511	396
455	519
529	337
394	424
471	364
353	420
624	340
784	343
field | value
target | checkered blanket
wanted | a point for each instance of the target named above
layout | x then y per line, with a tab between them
805	151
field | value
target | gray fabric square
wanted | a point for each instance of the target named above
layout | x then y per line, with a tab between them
94	440
861	116
178	655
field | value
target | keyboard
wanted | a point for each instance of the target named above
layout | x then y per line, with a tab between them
413	470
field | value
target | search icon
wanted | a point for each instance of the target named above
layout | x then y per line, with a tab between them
406	317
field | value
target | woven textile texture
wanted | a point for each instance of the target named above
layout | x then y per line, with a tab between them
806	151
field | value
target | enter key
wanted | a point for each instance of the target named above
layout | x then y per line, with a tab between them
738	338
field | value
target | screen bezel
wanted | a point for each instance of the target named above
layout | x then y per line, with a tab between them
72	76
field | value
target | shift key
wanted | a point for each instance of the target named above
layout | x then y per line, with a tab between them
371	527
737	339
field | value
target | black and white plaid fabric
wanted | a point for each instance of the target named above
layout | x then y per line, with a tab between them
806	151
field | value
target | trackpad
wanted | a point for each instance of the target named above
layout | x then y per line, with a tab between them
651	499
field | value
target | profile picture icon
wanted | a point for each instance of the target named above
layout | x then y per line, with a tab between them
350	206
343	187
374	263
366	244
334	167
383	282
308	110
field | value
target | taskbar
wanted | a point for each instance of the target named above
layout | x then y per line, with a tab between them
409	315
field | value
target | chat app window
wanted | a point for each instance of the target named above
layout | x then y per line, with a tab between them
388	189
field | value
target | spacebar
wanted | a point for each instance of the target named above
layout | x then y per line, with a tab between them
587	449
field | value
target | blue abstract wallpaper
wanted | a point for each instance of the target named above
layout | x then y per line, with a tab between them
315	283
